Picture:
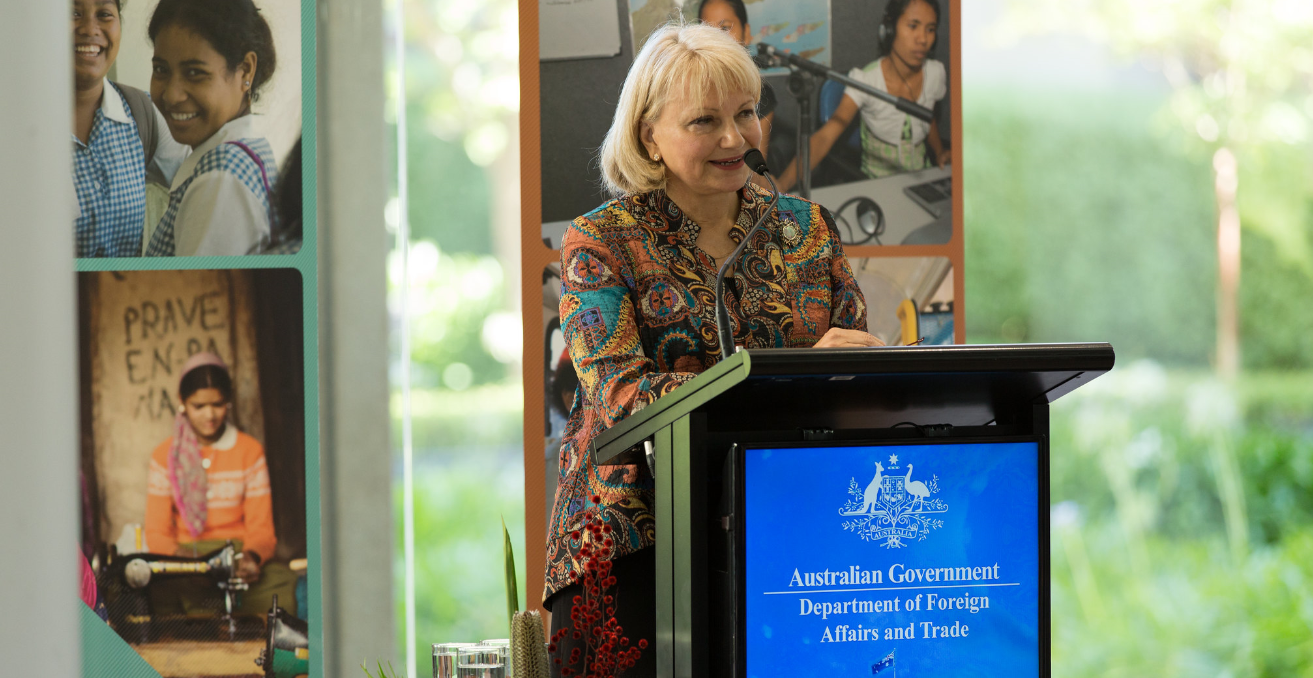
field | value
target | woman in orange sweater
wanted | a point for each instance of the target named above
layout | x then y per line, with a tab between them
208	484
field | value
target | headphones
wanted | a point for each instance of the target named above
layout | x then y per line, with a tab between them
888	27
870	220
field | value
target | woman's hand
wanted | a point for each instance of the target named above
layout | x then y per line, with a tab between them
944	157
248	569
838	337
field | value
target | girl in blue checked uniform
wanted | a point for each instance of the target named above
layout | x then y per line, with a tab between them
119	140
211	59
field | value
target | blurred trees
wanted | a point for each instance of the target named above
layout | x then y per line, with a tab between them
1241	73
1180	536
1084	225
461	102
1242	77
462	96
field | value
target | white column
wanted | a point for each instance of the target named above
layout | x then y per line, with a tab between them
38	353
353	245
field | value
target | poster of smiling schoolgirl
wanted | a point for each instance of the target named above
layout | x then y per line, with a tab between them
186	111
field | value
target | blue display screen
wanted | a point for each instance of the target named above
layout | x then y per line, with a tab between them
894	561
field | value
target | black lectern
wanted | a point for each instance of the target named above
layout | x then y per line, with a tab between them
697	438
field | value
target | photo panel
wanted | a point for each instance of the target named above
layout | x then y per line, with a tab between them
893	166
193	465
862	146
187	139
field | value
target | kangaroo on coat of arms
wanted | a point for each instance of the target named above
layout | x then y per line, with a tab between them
893	508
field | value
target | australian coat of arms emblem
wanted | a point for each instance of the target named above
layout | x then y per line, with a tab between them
893	508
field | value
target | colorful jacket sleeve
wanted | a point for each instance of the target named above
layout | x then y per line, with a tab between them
600	325
847	304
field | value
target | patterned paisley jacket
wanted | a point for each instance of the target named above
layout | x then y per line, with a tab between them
638	313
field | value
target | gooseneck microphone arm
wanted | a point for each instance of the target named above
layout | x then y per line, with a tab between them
724	330
785	58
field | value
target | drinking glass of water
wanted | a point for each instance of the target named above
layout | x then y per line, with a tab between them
481	661
444	659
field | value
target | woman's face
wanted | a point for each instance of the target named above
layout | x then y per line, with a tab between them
702	143
194	87
722	16
207	411
915	33
96	30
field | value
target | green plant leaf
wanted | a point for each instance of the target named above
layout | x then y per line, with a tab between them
382	673
512	591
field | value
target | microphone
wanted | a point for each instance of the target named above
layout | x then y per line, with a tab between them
778	56
755	162
911	108
763	60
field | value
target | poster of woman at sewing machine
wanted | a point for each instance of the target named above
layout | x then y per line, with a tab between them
193	460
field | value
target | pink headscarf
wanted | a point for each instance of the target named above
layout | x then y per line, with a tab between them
186	468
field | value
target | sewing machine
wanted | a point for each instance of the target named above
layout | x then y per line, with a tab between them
286	652
133	575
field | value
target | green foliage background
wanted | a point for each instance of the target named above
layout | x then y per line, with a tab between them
1083	221
1183	505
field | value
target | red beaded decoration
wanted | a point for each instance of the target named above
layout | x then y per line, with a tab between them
606	652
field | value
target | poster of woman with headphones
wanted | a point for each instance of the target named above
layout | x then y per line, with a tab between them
892	141
884	172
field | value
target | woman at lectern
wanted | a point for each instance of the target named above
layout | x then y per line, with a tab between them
892	141
637	302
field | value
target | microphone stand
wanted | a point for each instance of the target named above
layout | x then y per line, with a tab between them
803	85
724	331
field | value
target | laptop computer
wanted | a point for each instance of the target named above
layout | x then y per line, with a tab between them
936	197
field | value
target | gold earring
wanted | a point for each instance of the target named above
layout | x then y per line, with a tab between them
656	157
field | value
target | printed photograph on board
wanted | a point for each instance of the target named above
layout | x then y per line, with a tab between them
187	127
862	86
192	474
800	26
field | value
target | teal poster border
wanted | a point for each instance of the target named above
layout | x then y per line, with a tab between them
104	653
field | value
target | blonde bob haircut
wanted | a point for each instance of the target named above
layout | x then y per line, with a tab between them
697	60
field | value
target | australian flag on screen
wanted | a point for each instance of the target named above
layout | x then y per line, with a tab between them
886	663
